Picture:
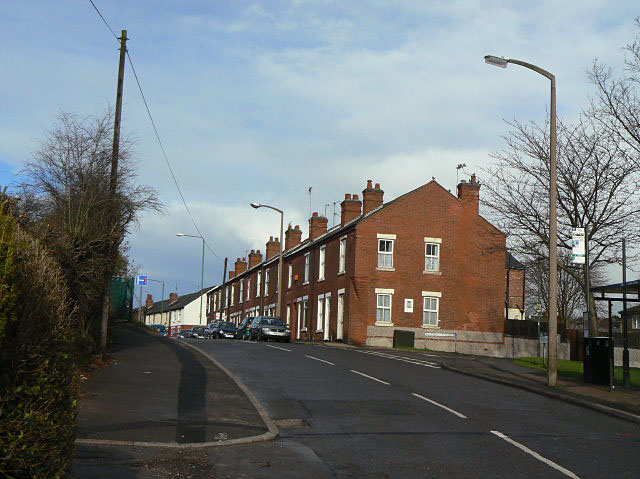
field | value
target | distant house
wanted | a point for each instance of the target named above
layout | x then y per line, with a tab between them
179	312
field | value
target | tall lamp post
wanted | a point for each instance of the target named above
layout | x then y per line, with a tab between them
201	271
552	371
258	205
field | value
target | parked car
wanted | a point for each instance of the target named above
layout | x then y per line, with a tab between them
224	329
184	333
264	328
159	328
243	328
197	332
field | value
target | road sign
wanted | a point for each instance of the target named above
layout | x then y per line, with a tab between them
578	246
440	335
142	279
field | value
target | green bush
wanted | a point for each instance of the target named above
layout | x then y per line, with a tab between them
37	369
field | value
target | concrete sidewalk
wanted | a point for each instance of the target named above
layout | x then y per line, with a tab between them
160	392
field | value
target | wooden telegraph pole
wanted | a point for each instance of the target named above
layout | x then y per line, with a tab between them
113	183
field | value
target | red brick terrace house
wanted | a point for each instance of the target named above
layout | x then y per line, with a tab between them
425	262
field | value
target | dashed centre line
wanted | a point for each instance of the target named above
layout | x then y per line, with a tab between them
440	405
548	462
370	377
277	347
321	360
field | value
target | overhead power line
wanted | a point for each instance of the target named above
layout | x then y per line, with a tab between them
153	124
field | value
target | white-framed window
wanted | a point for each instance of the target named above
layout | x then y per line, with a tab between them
430	311
227	297
342	256
321	258
288	314
432	254
290	276
233	290
635	322
385	251
307	261
258	280
383	308
266	282
241	296
248	289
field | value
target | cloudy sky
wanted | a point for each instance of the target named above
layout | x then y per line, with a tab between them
259	100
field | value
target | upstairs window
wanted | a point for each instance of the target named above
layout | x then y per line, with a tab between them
248	289
290	278
321	258
258	281
241	296
343	255
306	267
266	282
385	253
432	255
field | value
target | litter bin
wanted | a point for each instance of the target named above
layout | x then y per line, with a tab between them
597	360
402	338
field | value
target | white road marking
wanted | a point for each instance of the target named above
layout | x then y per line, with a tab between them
441	405
318	359
277	347
548	462
419	362
370	377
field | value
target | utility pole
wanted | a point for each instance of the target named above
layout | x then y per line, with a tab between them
113	182
626	379
224	289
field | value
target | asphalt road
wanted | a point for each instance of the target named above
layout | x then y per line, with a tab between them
376	413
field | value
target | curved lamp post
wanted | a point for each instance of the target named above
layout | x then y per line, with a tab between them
552	371
201	271
256	206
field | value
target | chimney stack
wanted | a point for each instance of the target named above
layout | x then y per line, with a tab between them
317	226
292	237
173	297
241	266
273	247
255	258
350	208
232	274
371	197
149	301
469	193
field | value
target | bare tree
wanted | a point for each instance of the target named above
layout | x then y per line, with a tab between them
597	188
65	200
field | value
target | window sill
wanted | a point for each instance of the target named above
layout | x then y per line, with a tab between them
305	283
429	326
319	331
340	273
382	268
437	273
303	330
377	323
320	279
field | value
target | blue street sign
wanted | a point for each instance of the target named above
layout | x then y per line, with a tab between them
142	279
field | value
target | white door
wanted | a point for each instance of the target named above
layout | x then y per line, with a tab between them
340	320
326	317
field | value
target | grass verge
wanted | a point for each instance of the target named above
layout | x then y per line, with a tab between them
573	369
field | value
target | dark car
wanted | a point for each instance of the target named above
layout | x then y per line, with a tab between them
159	328
264	328
224	329
198	332
184	333
243	328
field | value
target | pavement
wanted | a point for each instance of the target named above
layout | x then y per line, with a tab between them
164	409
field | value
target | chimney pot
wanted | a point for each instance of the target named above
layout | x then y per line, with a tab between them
369	182
377	186
371	198
355	197
273	247
347	196
317	226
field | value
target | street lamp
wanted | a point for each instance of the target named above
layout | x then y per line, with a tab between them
552	371
256	206
201	271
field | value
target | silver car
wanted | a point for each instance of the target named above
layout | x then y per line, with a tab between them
264	328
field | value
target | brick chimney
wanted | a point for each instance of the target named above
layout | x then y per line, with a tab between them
371	197
469	193
241	265
350	208
255	258
232	274
292	237
273	247
173	297
317	226
149	301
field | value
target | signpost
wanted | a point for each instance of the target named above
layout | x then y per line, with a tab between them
142	280
578	250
